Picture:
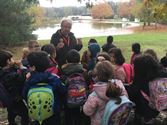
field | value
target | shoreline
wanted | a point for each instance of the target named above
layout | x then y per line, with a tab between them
151	28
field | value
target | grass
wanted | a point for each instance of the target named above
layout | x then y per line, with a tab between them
148	40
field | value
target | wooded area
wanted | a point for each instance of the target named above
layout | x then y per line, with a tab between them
19	18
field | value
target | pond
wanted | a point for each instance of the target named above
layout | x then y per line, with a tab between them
88	28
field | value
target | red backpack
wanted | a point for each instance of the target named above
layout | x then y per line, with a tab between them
129	72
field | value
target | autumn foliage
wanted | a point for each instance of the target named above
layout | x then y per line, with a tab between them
101	11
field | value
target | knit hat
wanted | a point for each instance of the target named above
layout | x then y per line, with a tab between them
94	48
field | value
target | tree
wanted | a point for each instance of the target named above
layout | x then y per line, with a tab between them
151	11
37	13
15	22
125	9
101	11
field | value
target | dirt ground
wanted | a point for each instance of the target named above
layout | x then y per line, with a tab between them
151	28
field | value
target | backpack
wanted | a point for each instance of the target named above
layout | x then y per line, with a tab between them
129	72
40	102
5	98
117	114
76	91
53	68
158	94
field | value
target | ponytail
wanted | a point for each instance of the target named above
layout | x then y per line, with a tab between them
113	91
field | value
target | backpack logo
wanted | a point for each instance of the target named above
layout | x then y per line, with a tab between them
40	102
158	94
77	94
117	114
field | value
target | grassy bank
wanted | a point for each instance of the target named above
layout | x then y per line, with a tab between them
148	40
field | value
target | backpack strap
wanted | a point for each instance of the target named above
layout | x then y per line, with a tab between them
145	95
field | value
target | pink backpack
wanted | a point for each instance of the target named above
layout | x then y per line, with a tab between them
129	72
158	94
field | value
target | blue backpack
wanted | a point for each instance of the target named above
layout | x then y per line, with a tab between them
40	102
117	114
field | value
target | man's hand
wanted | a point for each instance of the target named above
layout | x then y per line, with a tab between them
60	44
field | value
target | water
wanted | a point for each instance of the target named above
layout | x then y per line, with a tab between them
88	28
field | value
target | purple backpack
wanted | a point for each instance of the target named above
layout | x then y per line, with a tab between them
76	91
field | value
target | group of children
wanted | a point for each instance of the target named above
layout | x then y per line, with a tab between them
100	77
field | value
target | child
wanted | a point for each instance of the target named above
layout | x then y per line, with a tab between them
39	62
33	45
118	60
24	57
163	62
73	114
123	71
152	53
146	69
103	56
109	45
86	56
93	50
12	77
95	104
136	52
51	50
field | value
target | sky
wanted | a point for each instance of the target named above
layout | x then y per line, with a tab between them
61	3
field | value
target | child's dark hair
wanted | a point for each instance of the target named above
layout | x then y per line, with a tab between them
113	91
109	39
152	53
92	41
118	57
49	48
103	71
164	61
145	68
103	54
4	56
39	60
136	48
73	56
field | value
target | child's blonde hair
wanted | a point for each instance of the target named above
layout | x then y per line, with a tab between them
25	52
33	45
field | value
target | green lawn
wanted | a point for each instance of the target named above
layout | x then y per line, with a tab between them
148	40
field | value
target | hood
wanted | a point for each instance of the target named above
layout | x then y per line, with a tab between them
72	68
94	48
100	89
42	77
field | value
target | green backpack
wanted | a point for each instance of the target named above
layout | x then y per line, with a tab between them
40	102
